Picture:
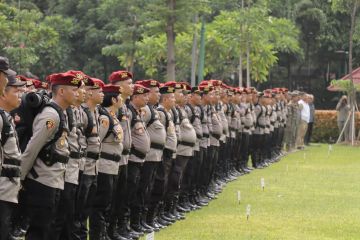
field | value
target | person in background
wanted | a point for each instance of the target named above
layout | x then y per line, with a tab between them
343	108
305	118
312	120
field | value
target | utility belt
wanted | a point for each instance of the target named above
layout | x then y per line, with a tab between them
206	135
186	144
12	161
10	172
233	129
247	128
77	155
49	156
217	136
125	152
199	136
93	155
261	126
137	153
157	146
112	157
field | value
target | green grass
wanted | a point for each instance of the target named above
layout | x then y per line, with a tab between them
317	198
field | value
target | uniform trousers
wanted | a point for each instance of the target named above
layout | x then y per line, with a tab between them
63	224
41	204
6	209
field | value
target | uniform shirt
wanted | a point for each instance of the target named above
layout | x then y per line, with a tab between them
111	144
215	128
171	139
221	108
194	113
45	126
93	143
235	121
252	110
273	118
187	134
80	115
205	140
156	132
140	136
125	123
260	112
9	187
268	113
305	111
247	119
73	166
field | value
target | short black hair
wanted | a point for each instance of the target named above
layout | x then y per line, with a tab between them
54	89
108	99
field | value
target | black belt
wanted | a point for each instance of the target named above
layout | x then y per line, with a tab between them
10	172
12	161
260	126
268	126
76	155
217	136
186	144
206	135
125	152
157	146
52	157
199	136
137	153
233	129
93	155
111	157
247	128
272	122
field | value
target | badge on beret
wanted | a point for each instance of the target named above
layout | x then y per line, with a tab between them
170	89
153	83
50	124
140	90
123	75
178	85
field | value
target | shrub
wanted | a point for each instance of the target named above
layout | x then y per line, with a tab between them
326	128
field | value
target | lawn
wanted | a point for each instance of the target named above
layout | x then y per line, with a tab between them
308	195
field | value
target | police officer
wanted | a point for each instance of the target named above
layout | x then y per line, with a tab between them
45	157
4	72
88	178
153	158
10	157
111	137
155	216
63	223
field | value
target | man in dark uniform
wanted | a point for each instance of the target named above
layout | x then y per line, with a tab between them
44	159
10	157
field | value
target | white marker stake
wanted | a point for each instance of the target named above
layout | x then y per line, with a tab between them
263	184
239	196
304	155
330	149
150	236
248	210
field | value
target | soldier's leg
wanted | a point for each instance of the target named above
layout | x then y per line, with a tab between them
244	154
63	224
41	204
187	181
6	209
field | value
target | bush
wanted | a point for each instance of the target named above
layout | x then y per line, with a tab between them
326	128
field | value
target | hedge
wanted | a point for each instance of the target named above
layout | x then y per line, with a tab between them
326	129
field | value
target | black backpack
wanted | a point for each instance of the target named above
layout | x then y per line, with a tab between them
5	132
103	111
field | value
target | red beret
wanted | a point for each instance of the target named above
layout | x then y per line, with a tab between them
149	83
120	76
174	84
215	83
109	88
166	89
204	83
96	83
186	86
205	88
140	89
196	90
67	78
29	81
39	84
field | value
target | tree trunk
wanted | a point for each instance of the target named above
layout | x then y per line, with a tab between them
248	83
193	53
170	37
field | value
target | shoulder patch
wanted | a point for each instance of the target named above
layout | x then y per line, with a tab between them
104	122
50	123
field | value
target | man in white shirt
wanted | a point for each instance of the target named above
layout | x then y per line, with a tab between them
304	121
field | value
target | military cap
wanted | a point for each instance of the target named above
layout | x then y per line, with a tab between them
205	83
4	66
196	90
149	83
140	89
96	83
186	86
67	78
39	84
14	81
205	89
267	93
295	93
120	76
109	88
176	85
215	83
28	81
166	89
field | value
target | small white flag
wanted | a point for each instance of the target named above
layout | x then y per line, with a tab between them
248	210
262	183
239	196
150	236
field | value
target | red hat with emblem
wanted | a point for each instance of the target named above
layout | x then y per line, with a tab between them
205	88
120	76
140	89
186	86
109	88
29	81
96	83
67	78
176	85
149	83
215	83
39	84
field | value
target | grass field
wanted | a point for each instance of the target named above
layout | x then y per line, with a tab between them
308	195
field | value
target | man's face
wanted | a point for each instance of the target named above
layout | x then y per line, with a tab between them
70	94
3	82
82	94
196	98
154	95
170	100
97	95
12	97
142	100
179	96
119	102
127	87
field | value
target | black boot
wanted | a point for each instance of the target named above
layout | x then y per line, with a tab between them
135	218
113	233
